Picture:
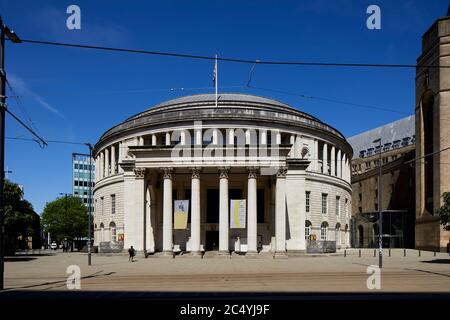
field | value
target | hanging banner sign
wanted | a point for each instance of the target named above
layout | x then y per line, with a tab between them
237	213
181	209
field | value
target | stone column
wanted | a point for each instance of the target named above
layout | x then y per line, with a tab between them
298	147
278	137
195	212
333	161
316	155
183	137
113	160
280	212
102	164
198	137
153	139
119	160
231	137
107	162
293	151
139	205
223	210
339	164
167	138
347	169
344	173
263	136
325	159
252	217
97	170
167	211
215	138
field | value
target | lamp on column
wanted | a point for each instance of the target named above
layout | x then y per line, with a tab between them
380	207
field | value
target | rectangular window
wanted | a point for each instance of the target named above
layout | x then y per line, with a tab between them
308	196
113	204
324	203
338	205
346	207
101	205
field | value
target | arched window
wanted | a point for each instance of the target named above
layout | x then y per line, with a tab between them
337	233
427	103
102	232
112	228
324	231
308	229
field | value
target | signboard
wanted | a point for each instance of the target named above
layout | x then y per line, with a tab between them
237	213
181	209
121	237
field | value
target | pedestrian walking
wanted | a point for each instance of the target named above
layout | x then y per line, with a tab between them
131	254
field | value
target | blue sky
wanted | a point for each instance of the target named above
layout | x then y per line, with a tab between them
76	94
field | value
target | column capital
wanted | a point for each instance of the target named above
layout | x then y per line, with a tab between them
252	171
196	172
139	173
281	173
167	173
223	172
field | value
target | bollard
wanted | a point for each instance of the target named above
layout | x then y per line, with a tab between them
404	252
419	253
435	253
389	252
360	253
345	253
374	253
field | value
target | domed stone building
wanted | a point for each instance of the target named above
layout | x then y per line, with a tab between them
248	174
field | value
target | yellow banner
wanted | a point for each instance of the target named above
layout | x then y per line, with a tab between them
181	209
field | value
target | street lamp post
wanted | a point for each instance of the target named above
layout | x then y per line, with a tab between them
380	207
89	202
65	205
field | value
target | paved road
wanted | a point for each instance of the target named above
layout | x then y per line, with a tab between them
427	273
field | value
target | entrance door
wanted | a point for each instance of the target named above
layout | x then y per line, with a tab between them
212	240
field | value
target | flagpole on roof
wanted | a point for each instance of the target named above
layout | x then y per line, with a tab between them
216	79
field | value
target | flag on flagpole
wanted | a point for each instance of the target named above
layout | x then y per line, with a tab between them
215	73
215	79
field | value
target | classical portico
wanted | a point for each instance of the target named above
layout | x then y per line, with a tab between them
289	168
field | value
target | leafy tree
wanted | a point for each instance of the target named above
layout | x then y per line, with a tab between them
444	211
20	219
65	217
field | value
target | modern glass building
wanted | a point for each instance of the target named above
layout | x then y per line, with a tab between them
80	177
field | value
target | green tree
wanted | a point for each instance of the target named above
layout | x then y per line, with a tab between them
20	221
65	217
444	211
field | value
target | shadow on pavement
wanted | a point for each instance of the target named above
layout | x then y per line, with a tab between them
19	259
60	283
439	261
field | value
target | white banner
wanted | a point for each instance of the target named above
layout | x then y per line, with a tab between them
237	213
181	209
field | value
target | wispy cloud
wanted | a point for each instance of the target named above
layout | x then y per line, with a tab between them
52	23
21	88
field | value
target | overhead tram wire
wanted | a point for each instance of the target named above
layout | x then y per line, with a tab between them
20	105
39	140
304	96
48	141
235	60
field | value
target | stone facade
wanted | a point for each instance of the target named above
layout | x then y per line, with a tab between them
292	169
433	135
